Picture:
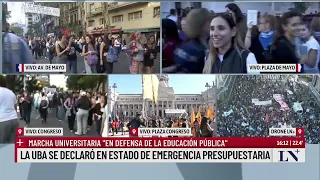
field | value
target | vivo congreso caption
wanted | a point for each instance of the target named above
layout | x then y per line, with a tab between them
47	145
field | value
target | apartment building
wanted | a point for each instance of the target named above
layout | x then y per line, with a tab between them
70	20
125	18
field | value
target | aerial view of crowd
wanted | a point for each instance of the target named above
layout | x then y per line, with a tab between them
252	114
202	41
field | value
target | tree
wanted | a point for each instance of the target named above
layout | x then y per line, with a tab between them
300	7
15	82
5	10
107	25
35	29
16	29
86	82
33	85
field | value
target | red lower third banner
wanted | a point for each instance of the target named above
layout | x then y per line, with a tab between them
191	150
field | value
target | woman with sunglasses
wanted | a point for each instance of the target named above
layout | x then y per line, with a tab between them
227	52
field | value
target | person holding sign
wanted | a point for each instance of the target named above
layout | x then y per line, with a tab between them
260	42
310	49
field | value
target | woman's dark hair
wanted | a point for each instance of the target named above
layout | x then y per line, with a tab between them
106	41
60	36
92	42
237	11
42	94
203	123
283	21
170	29
227	17
3	82
84	100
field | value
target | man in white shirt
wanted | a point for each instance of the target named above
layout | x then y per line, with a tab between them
173	15
8	113
117	44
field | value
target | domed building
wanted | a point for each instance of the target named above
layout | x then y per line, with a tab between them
128	105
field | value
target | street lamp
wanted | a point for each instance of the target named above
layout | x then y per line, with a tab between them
114	98
207	86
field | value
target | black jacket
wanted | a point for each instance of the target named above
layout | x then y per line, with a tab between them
72	54
232	62
283	52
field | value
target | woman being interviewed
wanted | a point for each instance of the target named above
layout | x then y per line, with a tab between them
227	52
135	51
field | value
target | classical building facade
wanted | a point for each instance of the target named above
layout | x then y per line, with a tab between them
129	105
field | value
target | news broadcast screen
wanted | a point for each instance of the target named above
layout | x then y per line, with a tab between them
160	90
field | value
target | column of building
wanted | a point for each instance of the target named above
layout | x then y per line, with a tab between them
162	109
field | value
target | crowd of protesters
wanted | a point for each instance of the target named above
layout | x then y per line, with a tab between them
80	110
203	41
100	53
201	127
240	117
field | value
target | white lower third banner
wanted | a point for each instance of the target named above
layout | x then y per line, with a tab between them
157	155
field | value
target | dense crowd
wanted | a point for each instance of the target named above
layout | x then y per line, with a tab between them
203	41
240	117
79	109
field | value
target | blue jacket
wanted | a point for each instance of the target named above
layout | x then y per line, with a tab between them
190	57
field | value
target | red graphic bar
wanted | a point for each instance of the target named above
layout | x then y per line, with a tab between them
79	142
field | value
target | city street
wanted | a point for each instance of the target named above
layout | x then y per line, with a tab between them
53	122
121	67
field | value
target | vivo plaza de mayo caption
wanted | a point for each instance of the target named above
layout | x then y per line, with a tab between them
48	146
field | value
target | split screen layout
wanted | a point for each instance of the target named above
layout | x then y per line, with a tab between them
160	37
230	105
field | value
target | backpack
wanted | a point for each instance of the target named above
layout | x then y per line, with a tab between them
43	103
36	45
52	48
112	56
